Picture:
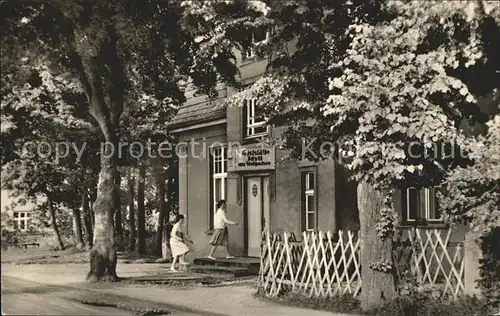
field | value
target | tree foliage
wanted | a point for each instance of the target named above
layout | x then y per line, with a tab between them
473	192
473	195
410	77
392	84
123	56
402	78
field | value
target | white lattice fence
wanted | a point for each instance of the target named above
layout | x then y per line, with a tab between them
321	266
435	263
317	266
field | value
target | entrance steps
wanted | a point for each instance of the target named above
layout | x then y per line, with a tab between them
237	267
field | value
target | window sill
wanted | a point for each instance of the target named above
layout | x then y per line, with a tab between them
254	139
251	60
423	225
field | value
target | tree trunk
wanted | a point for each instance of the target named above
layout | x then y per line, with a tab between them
92	216
141	211
172	188
103	253
103	257
77	228
377	287
118	213
131	212
55	229
164	243
87	220
160	183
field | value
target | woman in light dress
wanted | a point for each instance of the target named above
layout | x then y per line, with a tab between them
178	243
220	236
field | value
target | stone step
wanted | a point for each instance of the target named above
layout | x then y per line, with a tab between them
211	269
236	262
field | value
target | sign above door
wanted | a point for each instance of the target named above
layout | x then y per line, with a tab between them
252	158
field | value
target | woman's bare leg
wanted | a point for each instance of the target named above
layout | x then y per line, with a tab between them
228	254
172	266
212	251
183	259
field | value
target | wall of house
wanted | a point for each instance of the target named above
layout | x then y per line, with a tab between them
286	211
286	199
194	183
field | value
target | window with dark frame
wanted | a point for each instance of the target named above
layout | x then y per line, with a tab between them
21	220
258	36
254	121
420	206
309	209
218	172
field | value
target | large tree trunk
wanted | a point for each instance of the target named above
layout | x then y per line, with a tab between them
377	287
131	211
103	253
160	183
53	222
103	257
77	228
141	211
105	101
87	220
118	213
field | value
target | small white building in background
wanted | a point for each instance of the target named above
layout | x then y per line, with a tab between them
17	218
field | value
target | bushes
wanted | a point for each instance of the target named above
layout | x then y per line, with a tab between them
11	238
490	268
48	241
422	305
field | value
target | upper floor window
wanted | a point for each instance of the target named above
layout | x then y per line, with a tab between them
219	179
21	220
421	205
309	211
258	37
254	121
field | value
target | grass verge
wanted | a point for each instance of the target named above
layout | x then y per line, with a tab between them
29	256
196	281
44	256
421	305
345	304
136	311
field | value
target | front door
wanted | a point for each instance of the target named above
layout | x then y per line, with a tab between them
257	205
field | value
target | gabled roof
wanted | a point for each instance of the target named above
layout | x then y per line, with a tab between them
203	112
199	109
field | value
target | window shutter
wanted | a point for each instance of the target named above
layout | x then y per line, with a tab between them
211	209
413	199
303	200
436	199
404	205
422	204
434	210
244	121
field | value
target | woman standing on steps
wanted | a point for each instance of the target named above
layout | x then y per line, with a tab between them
177	243
220	236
